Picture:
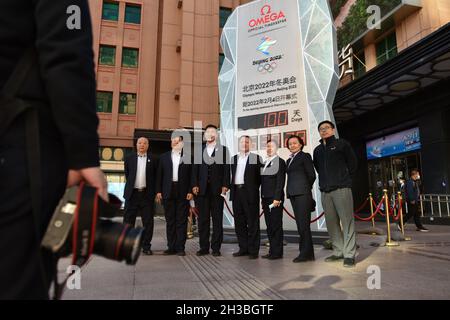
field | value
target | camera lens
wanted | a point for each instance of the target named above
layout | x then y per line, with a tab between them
117	241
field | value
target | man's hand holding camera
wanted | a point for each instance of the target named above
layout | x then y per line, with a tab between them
93	176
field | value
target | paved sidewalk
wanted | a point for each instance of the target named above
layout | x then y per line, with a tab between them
418	269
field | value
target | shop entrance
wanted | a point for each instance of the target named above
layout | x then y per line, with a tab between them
388	173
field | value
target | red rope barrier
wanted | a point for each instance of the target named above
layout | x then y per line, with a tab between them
377	209
288	213
231	212
193	211
361	207
318	218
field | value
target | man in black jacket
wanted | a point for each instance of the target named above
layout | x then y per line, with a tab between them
336	163
139	194
173	187
246	180
55	77
273	177
211	179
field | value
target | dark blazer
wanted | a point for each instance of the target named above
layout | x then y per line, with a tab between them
130	175
412	191
272	182
252	177
164	176
220	171
301	174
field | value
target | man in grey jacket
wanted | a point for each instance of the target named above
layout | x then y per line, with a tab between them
336	163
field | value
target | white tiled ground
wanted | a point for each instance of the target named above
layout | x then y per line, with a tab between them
418	269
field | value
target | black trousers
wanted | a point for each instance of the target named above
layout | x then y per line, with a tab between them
25	269
302	210
413	211
274	223
246	222
210	208
176	209
141	203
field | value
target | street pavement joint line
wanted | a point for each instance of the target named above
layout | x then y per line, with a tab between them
211	290
223	267
212	279
255	288
215	277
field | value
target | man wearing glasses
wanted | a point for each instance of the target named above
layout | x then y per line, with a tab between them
336	164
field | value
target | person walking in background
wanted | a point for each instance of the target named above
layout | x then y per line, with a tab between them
139	194
173	188
273	177
301	177
336	163
413	200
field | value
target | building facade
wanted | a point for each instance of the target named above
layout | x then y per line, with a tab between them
157	63
393	104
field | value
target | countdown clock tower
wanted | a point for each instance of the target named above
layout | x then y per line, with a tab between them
279	77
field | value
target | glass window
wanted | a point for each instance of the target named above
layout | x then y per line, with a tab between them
107	55
133	14
387	48
224	14
127	103
104	101
130	57
221	59
110	11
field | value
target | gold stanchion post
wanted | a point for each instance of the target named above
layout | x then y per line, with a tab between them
400	212
389	242
190	233
371	209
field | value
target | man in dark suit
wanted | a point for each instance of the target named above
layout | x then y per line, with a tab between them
173	187
273	177
246	180
140	174
211	179
301	177
45	65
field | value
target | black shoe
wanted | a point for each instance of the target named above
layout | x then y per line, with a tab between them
333	258
266	256
423	229
302	259
275	257
253	256
181	253
240	254
202	253
216	254
147	252
169	252
349	262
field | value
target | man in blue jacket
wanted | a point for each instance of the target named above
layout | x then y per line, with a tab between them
336	163
413	198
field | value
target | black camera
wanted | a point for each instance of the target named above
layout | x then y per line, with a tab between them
81	225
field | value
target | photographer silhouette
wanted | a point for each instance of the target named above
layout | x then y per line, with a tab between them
48	132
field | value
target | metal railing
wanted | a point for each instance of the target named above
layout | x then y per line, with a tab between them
435	205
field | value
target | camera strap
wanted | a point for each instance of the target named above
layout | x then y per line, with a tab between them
85	223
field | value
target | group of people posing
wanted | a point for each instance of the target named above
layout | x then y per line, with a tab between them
177	179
